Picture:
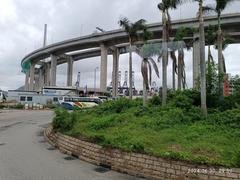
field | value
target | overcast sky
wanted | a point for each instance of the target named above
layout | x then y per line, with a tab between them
21	32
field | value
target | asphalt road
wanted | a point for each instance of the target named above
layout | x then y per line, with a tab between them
24	155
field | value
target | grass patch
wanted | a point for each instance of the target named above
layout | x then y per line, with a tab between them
177	131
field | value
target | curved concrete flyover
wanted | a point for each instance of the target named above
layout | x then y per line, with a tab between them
109	42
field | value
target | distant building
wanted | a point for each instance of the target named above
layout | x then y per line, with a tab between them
226	86
230	84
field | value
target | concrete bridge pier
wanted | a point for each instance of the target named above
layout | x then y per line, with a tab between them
26	87
47	74
196	61
41	78
103	68
31	74
115	72
36	81
69	70
53	70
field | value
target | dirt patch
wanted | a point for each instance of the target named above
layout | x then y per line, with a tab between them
205	152
175	147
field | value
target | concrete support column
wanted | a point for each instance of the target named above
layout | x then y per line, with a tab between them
69	71
41	78
53	70
31	74
37	81
47	74
196	61
115	72
103	68
27	81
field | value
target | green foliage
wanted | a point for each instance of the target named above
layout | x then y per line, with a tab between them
51	106
228	118
2	106
237	161
177	130
212	78
155	101
17	106
63	120
118	106
184	99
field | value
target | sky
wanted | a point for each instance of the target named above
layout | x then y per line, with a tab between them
22	23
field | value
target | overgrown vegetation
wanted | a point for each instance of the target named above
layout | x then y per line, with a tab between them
12	106
177	130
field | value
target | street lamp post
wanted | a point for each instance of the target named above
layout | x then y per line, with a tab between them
95	74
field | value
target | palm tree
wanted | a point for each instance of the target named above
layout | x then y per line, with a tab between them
132	30
174	69
220	6
211	37
180	44
202	56
164	7
146	71
146	52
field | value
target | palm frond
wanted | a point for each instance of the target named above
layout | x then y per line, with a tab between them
174	59
208	9
146	34
160	57
144	71
125	23
221	5
150	74
154	66
224	63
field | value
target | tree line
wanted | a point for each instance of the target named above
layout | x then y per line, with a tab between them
213	35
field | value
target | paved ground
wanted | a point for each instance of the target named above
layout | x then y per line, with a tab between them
24	155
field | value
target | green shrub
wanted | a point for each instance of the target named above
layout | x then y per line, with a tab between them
17	106
230	118
155	101
184	99
102	123
140	111
2	106
116	106
51	106
237	164
63	120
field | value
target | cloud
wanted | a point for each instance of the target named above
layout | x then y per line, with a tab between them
21	26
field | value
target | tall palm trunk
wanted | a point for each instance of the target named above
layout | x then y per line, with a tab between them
130	70
144	94
180	68
164	60
220	59
174	61
209	54
173	76
202	60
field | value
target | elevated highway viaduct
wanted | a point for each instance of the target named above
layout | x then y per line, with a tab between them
40	66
